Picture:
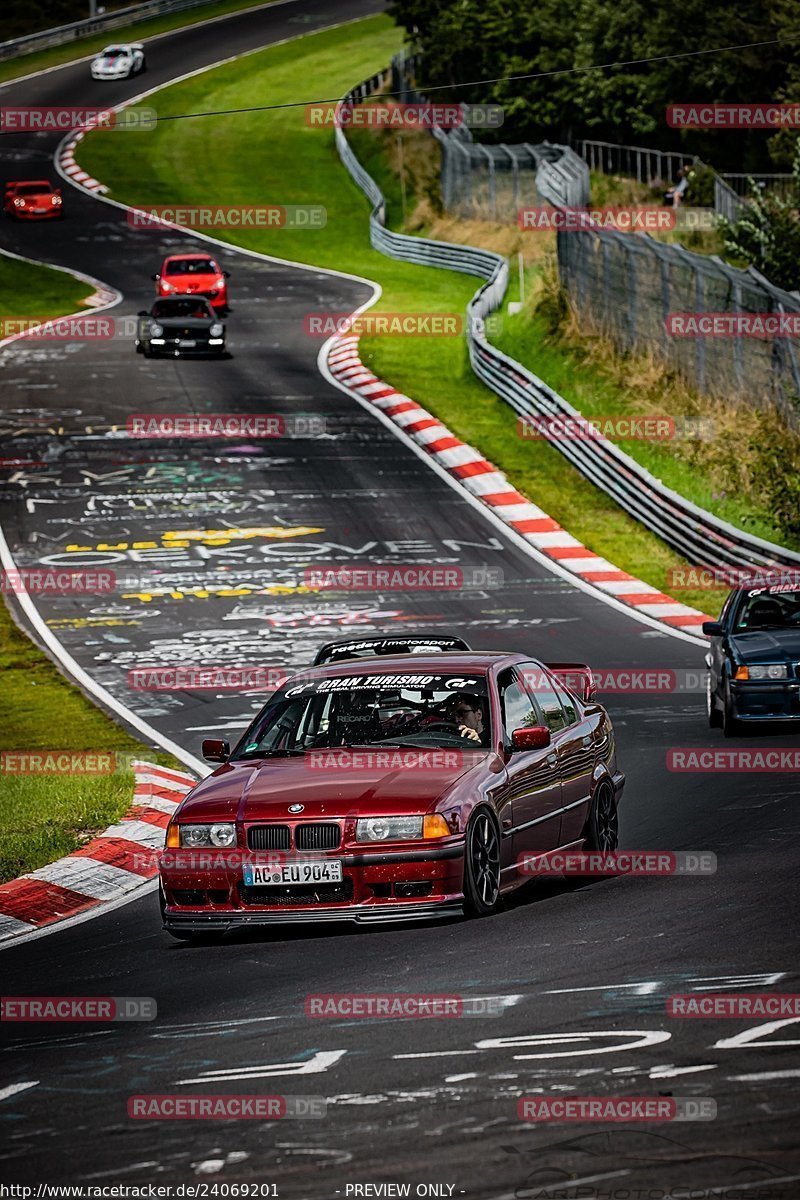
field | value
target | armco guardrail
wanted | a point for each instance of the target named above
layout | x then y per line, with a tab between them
62	34
699	536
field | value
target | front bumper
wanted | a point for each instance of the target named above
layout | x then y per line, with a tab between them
172	347
28	214
765	701
359	914
377	886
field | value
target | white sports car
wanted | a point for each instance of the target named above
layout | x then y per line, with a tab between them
119	62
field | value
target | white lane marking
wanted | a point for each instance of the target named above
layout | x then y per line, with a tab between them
319	1062
461	1078
436	1054
753	1037
639	989
141	832
13	1088
641	1039
765	1076
672	1072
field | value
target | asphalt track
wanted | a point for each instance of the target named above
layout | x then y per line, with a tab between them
584	970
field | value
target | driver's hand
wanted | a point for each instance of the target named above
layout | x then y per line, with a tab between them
466	732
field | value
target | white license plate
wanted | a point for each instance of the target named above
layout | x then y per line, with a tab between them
295	874
187	342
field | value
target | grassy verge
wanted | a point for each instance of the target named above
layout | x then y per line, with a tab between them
55	56
275	156
45	816
28	290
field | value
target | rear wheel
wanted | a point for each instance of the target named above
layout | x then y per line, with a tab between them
481	865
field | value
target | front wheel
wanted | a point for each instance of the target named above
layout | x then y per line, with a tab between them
730	725
602	828
714	715
481	866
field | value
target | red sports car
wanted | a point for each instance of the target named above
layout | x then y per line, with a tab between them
392	789
195	275
33	200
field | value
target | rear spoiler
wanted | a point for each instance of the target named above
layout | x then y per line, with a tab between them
576	677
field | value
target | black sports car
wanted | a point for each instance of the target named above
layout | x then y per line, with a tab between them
754	663
179	325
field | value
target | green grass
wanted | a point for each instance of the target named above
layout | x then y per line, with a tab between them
274	156
54	56
27	290
43	817
594	388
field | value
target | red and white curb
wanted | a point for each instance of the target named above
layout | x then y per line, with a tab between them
109	867
490	486
66	160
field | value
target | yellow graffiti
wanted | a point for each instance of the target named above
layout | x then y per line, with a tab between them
84	622
180	539
201	593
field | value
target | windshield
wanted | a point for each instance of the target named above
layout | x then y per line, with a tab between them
191	266
32	189
164	309
425	711
775	607
114	52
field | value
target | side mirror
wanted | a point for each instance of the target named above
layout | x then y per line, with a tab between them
142	313
535	738
216	750
226	274
712	628
155	278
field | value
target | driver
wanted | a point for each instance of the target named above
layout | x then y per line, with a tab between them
467	713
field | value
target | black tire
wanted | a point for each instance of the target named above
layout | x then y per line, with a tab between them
714	715
146	351
602	826
481	865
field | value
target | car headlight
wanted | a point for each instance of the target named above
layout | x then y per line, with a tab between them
55	199
388	829
216	330
763	671
19	202
195	836
156	330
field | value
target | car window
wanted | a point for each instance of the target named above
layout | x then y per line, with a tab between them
191	266
567	704
518	711
164	309
776	607
541	689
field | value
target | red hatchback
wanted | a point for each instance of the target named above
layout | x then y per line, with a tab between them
193	275
388	790
33	200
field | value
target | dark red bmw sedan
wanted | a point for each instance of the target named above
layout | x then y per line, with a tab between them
388	789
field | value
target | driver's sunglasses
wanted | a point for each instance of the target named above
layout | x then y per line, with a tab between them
463	712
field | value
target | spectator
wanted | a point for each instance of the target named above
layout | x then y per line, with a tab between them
677	194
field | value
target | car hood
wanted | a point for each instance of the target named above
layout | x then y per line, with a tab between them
35	198
110	63
767	645
262	790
